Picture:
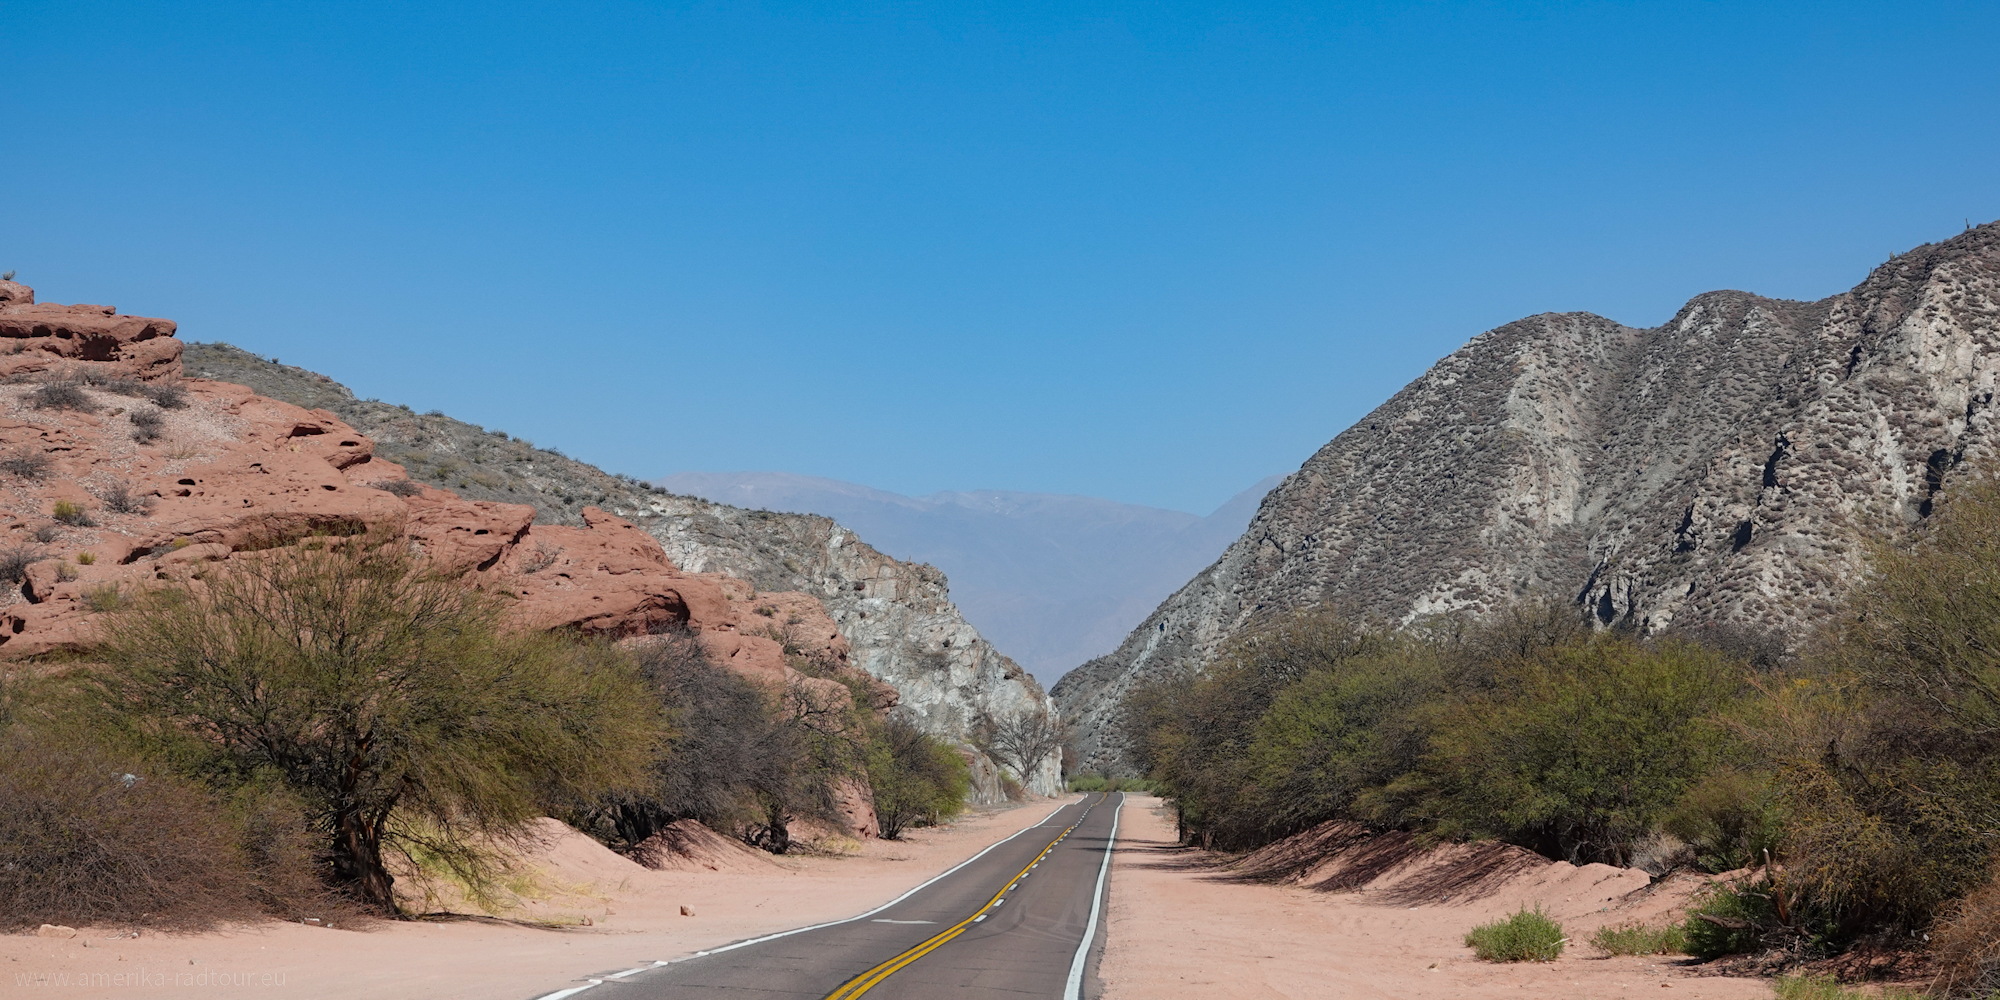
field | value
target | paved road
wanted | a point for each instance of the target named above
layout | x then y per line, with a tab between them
1006	924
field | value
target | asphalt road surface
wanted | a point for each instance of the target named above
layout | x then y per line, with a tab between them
1008	923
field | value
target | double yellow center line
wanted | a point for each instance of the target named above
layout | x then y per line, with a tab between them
867	981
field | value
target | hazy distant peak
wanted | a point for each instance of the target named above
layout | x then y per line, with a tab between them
1054	579
779	491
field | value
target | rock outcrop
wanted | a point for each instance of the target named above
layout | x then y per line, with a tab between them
897	618
40	337
1722	469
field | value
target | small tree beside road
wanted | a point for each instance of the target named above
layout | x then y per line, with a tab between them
389	699
1021	741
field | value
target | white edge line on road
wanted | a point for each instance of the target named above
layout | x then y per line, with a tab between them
1074	989
574	990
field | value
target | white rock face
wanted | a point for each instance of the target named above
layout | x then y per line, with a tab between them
1724	468
898	618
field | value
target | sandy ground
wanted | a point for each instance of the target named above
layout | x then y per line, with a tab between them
633	913
1180	929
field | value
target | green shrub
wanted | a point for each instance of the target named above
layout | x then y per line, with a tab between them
1578	752
1638	939
1730	818
1886	745
918	779
1730	919
73	514
1527	936
1811	987
1191	734
1101	783
1341	730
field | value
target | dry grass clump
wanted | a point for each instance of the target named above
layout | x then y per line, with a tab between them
400	487
1823	987
1966	945
166	395
1638	939
1527	936
93	837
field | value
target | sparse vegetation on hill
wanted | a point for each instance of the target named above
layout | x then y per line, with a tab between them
1868	765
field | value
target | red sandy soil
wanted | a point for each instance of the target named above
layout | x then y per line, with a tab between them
633	912
1181	927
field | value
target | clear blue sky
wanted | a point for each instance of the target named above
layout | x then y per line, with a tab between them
1149	252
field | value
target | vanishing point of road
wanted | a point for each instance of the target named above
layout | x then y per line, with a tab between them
1021	919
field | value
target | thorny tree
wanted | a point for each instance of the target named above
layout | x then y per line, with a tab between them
387	697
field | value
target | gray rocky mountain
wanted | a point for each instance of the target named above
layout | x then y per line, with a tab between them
1053	579
897	617
1725	468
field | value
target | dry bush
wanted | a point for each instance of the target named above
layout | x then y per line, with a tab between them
400	487
540	559
166	396
65	394
26	463
1966	945
147	425
15	560
119	498
92	837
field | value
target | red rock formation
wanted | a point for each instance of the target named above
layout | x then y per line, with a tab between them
95	504
47	337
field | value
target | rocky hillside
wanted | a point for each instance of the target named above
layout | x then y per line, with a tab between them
1721	469
897	618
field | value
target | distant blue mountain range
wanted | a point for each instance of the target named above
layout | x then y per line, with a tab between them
1050	580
